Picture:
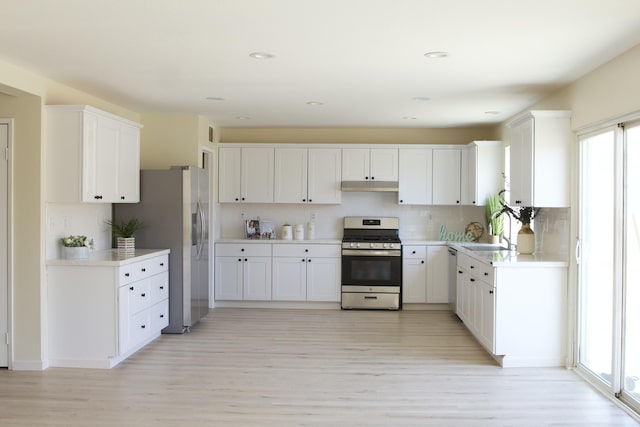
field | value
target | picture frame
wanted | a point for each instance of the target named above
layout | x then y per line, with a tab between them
267	230
252	229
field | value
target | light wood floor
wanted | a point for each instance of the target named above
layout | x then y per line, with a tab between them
249	367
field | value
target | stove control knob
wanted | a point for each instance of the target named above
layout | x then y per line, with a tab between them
385	245
373	245
357	245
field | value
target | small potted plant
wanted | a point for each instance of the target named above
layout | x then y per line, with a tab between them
495	218
124	232
76	247
524	215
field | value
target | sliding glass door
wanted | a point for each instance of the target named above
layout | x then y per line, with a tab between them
609	260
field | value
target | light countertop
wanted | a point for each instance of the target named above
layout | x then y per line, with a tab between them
295	242
108	258
505	258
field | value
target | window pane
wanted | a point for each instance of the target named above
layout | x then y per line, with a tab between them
631	300
597	247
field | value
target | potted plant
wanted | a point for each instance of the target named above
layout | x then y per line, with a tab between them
76	247
124	232
495	218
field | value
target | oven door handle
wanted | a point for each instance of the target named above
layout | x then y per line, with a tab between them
371	252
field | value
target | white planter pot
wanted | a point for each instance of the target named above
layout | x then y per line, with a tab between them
126	246
81	252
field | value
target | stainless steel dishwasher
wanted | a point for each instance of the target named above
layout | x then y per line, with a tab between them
453	277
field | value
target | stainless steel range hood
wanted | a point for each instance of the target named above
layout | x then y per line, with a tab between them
364	186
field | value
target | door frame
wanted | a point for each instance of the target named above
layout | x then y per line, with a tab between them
9	183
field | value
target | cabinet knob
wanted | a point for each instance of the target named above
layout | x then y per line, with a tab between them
243	198
310	200
143	295
237	199
486	274
422	262
474	202
143	269
413	252
308	260
459	271
366	177
373	177
472	279
97	197
143	326
304	200
239	259
245	259
131	288
242	250
162	316
457	202
161	287
471	266
491	292
401	201
121	197
306	250
162	264
303	260
126	274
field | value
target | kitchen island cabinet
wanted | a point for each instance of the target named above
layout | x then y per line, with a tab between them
516	308
104	308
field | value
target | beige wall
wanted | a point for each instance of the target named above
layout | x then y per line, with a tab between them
24	95
359	135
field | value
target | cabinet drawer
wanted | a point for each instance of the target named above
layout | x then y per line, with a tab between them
414	251
139	327
241	249
143	269
159	314
139	296
159	287
306	251
478	269
486	274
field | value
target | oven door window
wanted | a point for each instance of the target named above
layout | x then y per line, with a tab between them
371	270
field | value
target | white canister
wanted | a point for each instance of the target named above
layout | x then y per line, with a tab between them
298	232
311	230
287	232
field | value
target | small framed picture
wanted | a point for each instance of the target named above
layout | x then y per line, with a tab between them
252	229
267	230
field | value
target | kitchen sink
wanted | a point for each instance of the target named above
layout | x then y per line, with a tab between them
487	247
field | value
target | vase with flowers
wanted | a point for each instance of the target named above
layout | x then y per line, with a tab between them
76	247
523	214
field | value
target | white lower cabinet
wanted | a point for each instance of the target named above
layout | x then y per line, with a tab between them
102	309
261	271
517	312
306	272
425	275
242	272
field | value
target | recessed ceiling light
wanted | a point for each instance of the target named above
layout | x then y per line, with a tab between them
492	112
421	98
261	55
243	118
409	118
214	98
315	103
436	54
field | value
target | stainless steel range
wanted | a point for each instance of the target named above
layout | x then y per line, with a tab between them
371	263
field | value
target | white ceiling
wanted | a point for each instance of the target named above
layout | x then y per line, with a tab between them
363	59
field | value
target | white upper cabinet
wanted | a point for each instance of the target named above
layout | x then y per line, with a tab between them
310	175
482	169
92	156
446	176
364	164
540	159
415	183
246	174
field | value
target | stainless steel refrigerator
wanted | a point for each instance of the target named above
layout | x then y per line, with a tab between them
174	208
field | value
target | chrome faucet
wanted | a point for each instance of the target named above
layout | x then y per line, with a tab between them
510	246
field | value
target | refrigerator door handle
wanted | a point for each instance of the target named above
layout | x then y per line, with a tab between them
200	213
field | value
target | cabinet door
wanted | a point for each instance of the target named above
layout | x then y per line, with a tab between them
256	182
228	278
257	278
384	164
128	179
486	303
446	177
323	279
324	175
437	274
468	175
125	341
289	279
415	176
521	166
290	175
355	164
463	296
229	163
100	162
414	280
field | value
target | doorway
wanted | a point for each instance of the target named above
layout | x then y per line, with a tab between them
5	139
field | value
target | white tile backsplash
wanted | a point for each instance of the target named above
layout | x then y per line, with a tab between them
88	219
